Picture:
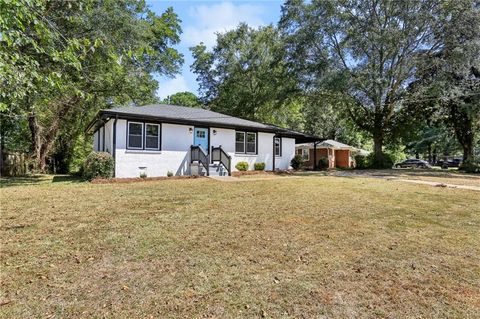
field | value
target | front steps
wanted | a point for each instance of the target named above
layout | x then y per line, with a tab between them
214	170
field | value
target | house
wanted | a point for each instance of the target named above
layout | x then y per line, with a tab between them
338	154
157	139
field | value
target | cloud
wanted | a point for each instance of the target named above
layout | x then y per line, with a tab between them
206	20
172	86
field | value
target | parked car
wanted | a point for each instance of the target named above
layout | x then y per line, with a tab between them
454	162
413	163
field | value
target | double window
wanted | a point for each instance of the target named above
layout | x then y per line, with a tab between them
246	142
278	146
143	136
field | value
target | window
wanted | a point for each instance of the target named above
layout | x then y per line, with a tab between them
135	135
251	143
278	146
201	134
239	142
143	136
305	154
152	136
246	142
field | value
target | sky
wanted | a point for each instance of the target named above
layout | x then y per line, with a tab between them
200	21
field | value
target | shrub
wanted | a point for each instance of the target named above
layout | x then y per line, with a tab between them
471	165
98	164
322	163
242	166
169	174
259	166
143	175
297	162
361	161
385	161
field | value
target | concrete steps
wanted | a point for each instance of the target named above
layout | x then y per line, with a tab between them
214	170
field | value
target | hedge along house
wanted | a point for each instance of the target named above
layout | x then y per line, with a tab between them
336	153
157	139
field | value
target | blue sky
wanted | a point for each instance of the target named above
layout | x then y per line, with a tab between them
200	21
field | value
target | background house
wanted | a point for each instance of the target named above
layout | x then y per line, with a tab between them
338	154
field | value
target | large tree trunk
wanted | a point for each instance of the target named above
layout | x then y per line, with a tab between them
43	138
463	127
36	132
467	150
378	148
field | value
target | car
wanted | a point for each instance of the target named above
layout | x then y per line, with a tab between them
455	162
413	163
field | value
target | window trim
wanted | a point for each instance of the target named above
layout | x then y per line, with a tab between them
245	133
159	137
279	146
144	136
128	135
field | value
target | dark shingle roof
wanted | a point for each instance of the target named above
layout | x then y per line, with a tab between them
194	116
175	112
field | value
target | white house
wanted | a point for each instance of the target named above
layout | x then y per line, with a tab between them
157	139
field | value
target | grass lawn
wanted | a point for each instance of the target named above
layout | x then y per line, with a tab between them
319	246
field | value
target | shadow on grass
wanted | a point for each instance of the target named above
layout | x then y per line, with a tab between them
38	180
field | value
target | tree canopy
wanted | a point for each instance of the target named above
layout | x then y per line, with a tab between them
404	75
366	49
183	99
63	61
244	75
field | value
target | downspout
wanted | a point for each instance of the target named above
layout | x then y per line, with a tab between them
273	153
103	138
114	147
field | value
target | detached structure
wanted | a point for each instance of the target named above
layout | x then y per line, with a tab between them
338	154
154	140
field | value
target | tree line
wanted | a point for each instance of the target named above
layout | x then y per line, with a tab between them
396	75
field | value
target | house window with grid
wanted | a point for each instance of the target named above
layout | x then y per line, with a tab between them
246	142
278	146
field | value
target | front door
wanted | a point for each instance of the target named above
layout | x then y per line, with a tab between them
200	137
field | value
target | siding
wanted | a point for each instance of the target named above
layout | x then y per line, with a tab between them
174	156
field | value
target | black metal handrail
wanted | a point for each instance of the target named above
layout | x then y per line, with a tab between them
219	155
198	154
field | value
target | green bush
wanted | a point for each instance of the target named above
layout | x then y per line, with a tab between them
242	166
471	165
385	161
169	174
98	165
361	161
259	166
322	163
297	162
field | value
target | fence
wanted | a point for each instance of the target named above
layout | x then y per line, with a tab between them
13	164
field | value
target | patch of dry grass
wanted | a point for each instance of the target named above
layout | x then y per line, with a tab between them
304	247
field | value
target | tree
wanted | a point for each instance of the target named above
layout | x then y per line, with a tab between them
77	57
323	115
450	77
183	99
245	76
372	45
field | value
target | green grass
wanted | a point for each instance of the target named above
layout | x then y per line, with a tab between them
289	248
